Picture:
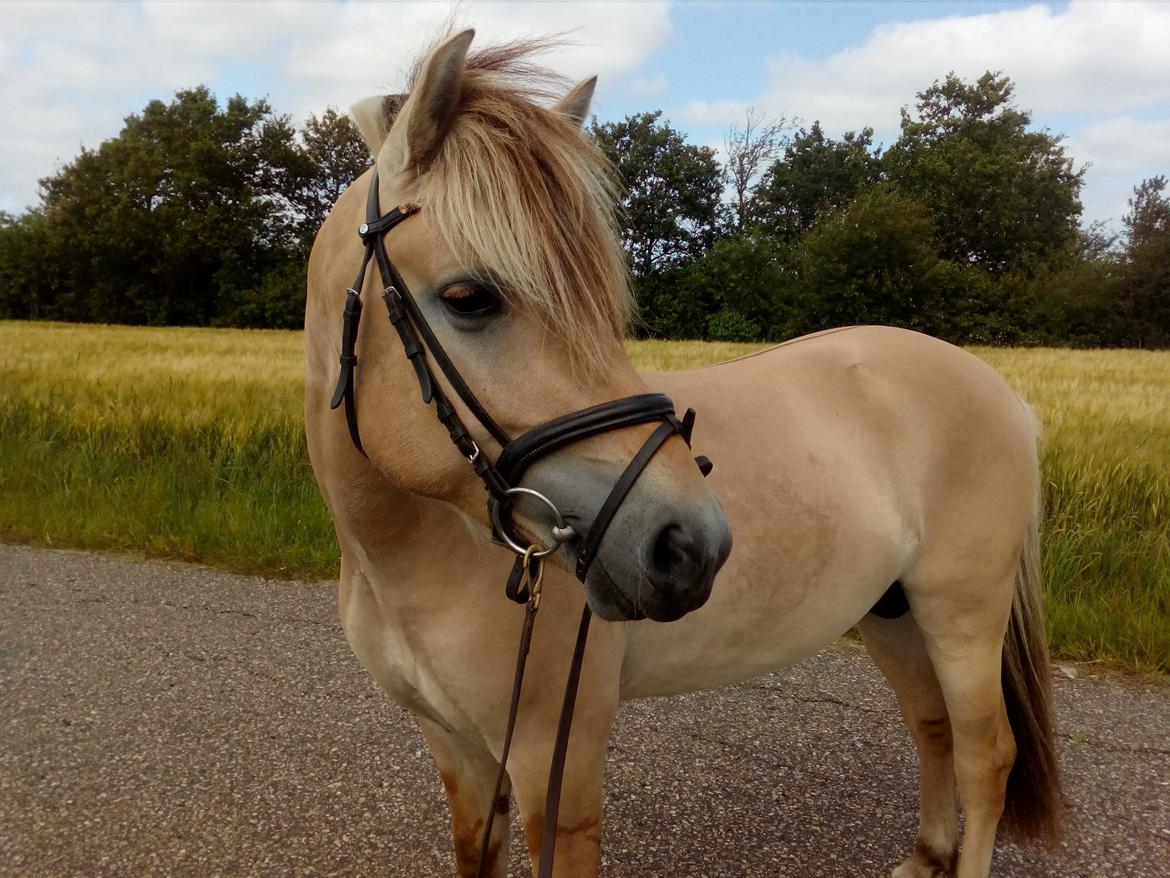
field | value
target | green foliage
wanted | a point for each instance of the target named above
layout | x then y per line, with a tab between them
195	213
332	156
742	289
29	278
1075	305
877	261
815	175
185	202
670	193
731	325
1003	197
1145	270
277	301
201	213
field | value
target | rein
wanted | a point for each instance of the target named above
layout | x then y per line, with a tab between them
502	478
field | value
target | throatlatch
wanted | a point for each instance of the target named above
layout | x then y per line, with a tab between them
502	479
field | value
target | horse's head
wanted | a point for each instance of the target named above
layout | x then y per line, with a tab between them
515	263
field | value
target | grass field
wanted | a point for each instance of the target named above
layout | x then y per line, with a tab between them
188	443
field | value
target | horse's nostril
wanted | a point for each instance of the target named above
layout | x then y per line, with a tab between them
671	557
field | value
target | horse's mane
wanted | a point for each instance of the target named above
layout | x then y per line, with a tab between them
524	196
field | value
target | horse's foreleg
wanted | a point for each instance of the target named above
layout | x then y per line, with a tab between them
897	649
578	846
469	772
964	639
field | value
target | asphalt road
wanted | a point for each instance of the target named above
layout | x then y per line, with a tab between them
167	719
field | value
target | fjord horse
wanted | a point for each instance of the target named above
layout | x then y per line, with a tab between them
847	462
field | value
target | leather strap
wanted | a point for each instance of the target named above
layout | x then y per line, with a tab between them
556	772
350	320
375	228
548	437
587	551
513	709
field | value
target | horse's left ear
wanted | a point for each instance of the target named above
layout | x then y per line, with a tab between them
575	104
374	117
430	112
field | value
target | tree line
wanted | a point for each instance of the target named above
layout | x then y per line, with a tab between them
967	227
194	214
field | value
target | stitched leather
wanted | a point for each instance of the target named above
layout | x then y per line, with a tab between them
573	427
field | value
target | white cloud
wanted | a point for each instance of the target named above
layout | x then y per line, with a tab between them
72	72
648	86
1088	57
1120	152
722	113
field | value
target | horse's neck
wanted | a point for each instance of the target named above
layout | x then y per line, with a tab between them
397	532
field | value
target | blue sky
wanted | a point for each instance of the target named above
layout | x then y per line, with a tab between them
1097	72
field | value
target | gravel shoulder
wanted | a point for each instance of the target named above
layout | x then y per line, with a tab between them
167	719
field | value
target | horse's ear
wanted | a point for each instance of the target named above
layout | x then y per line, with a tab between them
575	104
374	117
435	99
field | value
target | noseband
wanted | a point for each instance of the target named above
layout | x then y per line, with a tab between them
502	478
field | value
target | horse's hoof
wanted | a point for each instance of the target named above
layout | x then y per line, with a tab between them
914	868
927	863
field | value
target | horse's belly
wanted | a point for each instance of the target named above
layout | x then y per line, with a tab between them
764	614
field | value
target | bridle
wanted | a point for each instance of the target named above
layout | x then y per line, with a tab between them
501	479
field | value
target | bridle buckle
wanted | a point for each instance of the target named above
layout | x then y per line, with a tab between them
474	456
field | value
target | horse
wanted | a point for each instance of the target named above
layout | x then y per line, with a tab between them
870	476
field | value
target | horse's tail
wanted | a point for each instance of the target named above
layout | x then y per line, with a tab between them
1034	803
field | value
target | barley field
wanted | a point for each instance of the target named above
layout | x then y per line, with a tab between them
187	443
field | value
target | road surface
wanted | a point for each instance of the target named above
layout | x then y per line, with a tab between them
167	719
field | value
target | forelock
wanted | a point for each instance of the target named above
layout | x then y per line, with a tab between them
522	195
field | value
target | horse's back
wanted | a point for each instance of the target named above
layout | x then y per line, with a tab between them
874	392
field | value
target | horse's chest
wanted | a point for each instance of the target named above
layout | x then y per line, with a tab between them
381	637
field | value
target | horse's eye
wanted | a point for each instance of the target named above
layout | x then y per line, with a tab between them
470	300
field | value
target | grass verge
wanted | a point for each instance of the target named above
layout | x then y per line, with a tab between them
188	443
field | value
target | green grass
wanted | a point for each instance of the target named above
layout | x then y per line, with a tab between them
188	443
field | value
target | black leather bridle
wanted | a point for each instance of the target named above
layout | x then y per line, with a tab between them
502	478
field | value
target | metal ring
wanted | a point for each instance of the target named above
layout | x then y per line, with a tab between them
558	520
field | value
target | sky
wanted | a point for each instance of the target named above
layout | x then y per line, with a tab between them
1097	73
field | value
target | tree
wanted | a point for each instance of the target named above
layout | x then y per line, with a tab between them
176	218
750	150
1145	273
1004	198
742	289
877	261
670	190
816	174
334	155
29	267
1149	212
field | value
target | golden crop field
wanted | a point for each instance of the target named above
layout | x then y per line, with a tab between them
188	443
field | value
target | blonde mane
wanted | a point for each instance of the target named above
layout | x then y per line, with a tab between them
526	198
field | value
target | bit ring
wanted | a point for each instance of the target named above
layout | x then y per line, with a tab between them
561	532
